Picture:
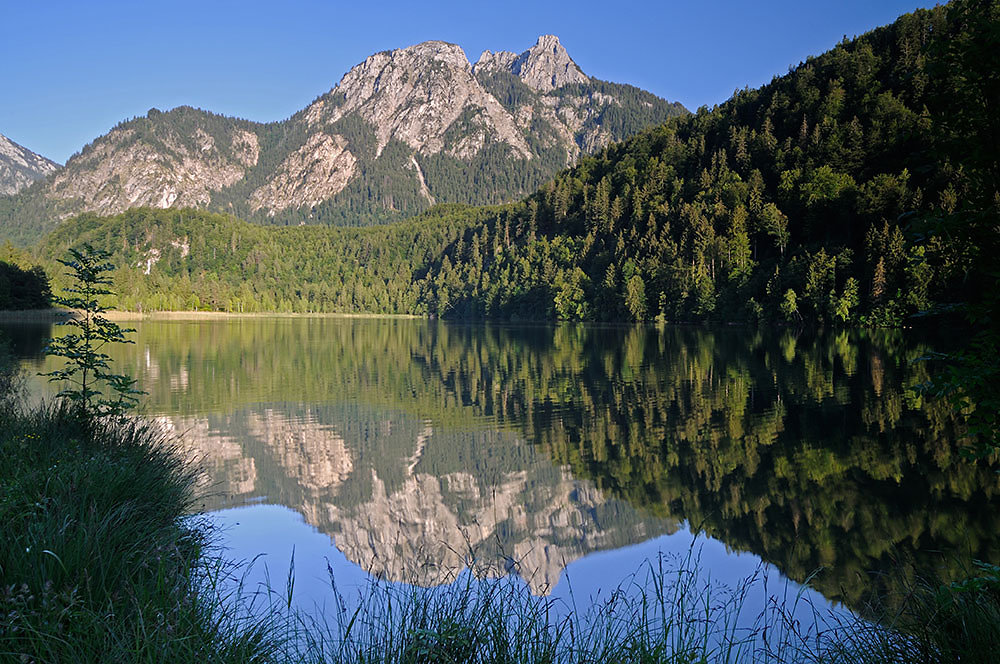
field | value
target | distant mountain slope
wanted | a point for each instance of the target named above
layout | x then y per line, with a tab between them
19	166
401	131
162	160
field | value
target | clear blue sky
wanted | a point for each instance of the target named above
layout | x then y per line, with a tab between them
69	71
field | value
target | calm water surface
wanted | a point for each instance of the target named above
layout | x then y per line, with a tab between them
563	457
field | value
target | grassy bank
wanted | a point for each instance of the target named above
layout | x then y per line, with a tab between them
99	562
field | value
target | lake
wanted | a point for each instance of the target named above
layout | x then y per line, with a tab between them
566	459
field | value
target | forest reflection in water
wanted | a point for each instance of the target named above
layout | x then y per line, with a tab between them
413	442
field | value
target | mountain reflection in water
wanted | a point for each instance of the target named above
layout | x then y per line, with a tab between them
406	502
413	443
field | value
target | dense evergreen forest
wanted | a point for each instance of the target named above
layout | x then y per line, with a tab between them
23	284
23	288
194	260
858	188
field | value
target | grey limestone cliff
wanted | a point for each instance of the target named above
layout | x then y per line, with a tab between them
165	168
19	166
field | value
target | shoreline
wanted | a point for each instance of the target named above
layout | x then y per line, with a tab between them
56	315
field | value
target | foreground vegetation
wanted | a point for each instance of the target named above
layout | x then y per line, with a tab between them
97	561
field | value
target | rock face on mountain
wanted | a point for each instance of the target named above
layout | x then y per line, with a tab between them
544	67
401	131
19	166
148	163
317	171
414	95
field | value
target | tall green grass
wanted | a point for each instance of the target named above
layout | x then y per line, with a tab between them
662	613
97	563
930	623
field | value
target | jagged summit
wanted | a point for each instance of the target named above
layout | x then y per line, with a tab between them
19	166
415	95
544	67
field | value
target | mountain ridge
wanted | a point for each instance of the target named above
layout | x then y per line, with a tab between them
813	199
400	131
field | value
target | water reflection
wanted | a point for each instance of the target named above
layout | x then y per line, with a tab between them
413	442
406	501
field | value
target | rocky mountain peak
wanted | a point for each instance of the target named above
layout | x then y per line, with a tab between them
544	67
441	51
547	65
386	71
491	61
19	166
415	95
402	130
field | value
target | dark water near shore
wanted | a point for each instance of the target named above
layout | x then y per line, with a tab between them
564	456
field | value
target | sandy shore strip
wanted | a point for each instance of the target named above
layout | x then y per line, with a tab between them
56	315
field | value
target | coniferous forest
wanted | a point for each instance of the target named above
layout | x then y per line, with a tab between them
857	188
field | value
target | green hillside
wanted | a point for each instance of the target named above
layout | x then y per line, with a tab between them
193	260
834	193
